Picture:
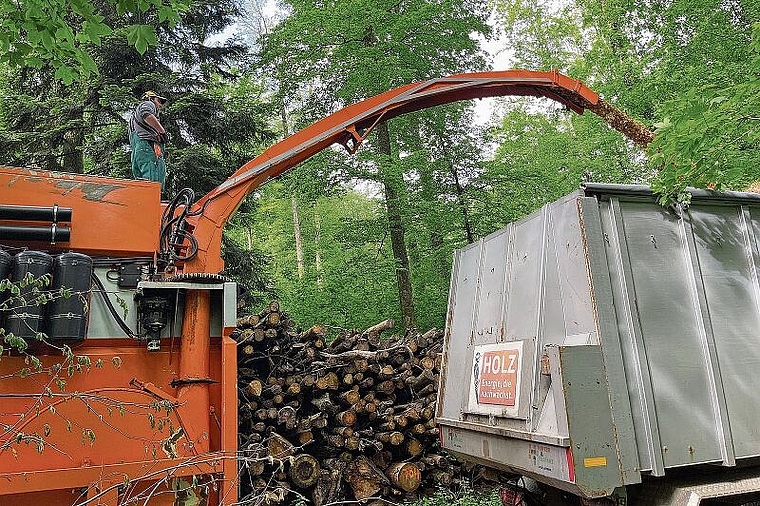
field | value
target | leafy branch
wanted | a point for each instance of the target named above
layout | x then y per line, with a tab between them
102	403
60	33
708	137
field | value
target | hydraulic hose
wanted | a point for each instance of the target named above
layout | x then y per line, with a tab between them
174	230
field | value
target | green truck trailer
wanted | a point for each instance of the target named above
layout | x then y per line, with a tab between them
607	349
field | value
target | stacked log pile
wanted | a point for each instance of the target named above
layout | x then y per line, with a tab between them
352	419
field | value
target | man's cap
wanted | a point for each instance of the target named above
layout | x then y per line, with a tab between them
150	95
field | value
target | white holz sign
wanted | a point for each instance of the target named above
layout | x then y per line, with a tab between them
495	379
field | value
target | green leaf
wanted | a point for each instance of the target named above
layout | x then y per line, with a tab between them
65	74
47	40
123	6
64	33
95	31
141	36
664	124
87	64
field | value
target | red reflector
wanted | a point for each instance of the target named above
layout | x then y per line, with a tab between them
511	497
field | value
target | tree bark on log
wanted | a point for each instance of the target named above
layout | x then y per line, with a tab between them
364	477
404	475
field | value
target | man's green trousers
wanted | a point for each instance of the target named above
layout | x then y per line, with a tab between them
145	163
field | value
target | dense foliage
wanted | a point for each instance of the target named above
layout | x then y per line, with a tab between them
710	134
335	53
463	497
688	69
63	34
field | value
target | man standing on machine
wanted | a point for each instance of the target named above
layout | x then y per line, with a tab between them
147	137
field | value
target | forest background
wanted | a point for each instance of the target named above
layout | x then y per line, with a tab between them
350	241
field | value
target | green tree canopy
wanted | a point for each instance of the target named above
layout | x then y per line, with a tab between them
339	52
62	34
217	120
689	69
710	135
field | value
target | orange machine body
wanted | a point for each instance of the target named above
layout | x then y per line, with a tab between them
113	217
131	425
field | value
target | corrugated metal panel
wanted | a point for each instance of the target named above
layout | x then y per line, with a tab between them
459	329
726	249
524	281
621	323
491	300
567	262
670	327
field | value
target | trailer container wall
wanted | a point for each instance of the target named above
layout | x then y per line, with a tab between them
604	336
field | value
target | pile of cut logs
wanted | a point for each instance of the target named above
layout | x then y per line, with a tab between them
349	419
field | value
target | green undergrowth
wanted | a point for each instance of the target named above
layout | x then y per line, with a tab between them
465	496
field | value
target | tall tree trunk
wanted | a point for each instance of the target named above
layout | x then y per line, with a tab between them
460	193
317	249
71	148
293	202
462	203
73	157
398	234
284	118
297	234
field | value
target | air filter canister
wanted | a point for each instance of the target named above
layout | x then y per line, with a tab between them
66	316
6	267
25	319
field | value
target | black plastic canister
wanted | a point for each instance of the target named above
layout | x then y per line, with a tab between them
67	316
25	320
6	266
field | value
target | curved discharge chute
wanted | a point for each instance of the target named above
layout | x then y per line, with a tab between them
351	125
